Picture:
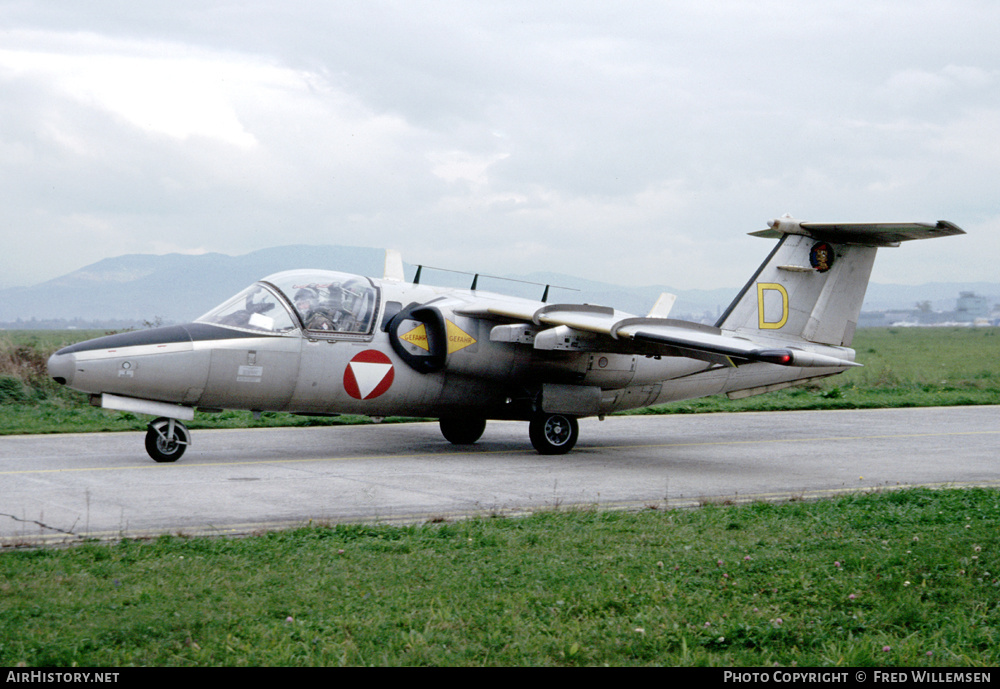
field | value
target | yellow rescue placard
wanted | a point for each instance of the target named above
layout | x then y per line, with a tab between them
417	337
458	338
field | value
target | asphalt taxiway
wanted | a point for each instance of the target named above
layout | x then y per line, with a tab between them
56	488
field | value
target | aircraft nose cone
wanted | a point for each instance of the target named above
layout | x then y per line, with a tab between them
61	368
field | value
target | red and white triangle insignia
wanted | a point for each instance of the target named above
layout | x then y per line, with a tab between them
368	375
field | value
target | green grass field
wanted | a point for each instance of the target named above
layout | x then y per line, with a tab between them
906	578
902	367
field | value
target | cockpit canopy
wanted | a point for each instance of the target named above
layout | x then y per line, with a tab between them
313	300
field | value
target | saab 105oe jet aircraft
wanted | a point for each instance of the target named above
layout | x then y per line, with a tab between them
319	342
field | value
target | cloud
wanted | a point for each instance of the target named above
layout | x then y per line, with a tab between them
137	137
152	86
629	142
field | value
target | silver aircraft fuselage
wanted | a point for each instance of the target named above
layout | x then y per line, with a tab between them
214	364
324	342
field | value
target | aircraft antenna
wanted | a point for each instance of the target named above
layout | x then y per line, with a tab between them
476	276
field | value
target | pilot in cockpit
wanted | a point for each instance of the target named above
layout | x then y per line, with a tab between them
334	306
316	315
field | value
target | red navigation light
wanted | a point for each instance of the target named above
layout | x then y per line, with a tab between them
782	357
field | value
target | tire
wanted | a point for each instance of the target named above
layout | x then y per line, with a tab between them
462	431
553	434
164	445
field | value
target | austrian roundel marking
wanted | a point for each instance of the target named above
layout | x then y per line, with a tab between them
368	375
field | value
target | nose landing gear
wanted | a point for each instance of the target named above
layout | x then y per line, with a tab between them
166	439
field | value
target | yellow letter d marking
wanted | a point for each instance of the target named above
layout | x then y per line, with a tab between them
776	314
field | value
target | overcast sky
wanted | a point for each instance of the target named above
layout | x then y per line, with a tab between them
631	142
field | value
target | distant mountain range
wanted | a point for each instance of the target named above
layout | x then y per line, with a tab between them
179	288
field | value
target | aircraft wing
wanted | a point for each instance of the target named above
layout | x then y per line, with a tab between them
707	343
584	326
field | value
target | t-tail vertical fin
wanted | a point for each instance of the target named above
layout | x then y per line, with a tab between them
813	283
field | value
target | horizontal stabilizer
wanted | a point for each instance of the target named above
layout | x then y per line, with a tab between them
862	234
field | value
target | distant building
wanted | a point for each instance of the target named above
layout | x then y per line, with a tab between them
970	309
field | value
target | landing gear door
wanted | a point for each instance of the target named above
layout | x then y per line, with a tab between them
419	336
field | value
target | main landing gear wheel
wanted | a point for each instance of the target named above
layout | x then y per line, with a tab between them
462	431
167	439
553	434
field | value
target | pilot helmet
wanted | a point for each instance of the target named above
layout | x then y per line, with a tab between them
306	298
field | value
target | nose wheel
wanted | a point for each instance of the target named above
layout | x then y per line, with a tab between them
553	434
166	439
